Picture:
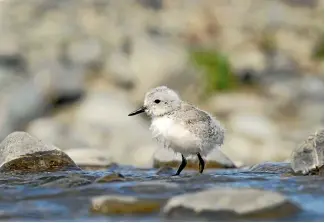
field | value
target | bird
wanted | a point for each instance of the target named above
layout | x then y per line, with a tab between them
181	126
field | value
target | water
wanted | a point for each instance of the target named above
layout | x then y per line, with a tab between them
65	196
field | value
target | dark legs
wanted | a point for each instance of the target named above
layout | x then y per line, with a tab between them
201	163
184	163
181	167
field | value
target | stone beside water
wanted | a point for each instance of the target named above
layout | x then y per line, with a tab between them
308	157
115	204
20	151
230	202
112	177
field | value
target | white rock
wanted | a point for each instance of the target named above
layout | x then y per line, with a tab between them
241	201
309	155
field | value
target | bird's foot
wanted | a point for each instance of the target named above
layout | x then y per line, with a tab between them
176	174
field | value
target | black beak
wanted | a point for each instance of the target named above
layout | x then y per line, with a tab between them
138	111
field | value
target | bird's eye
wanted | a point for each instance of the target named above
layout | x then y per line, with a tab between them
157	101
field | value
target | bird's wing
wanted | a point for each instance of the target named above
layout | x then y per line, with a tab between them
201	123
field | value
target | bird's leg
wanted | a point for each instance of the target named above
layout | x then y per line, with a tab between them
181	167
201	163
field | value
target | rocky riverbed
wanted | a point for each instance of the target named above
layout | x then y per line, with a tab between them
143	195
39	182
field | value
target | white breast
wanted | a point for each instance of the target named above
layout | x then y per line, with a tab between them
174	135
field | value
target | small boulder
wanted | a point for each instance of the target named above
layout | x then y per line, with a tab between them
231	203
110	204
112	177
308	157
22	152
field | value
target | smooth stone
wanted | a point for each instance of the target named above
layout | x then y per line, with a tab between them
231	202
216	159
113	177
110	204
271	167
308	157
20	151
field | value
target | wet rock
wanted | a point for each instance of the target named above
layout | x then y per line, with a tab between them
20	151
110	178
111	204
216	159
272	167
308	157
230	202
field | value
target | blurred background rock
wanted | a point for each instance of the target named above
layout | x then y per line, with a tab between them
71	71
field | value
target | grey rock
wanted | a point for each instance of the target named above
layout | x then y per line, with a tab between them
309	155
231	202
112	177
20	151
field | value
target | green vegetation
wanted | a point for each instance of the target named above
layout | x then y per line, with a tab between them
216	68
319	49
